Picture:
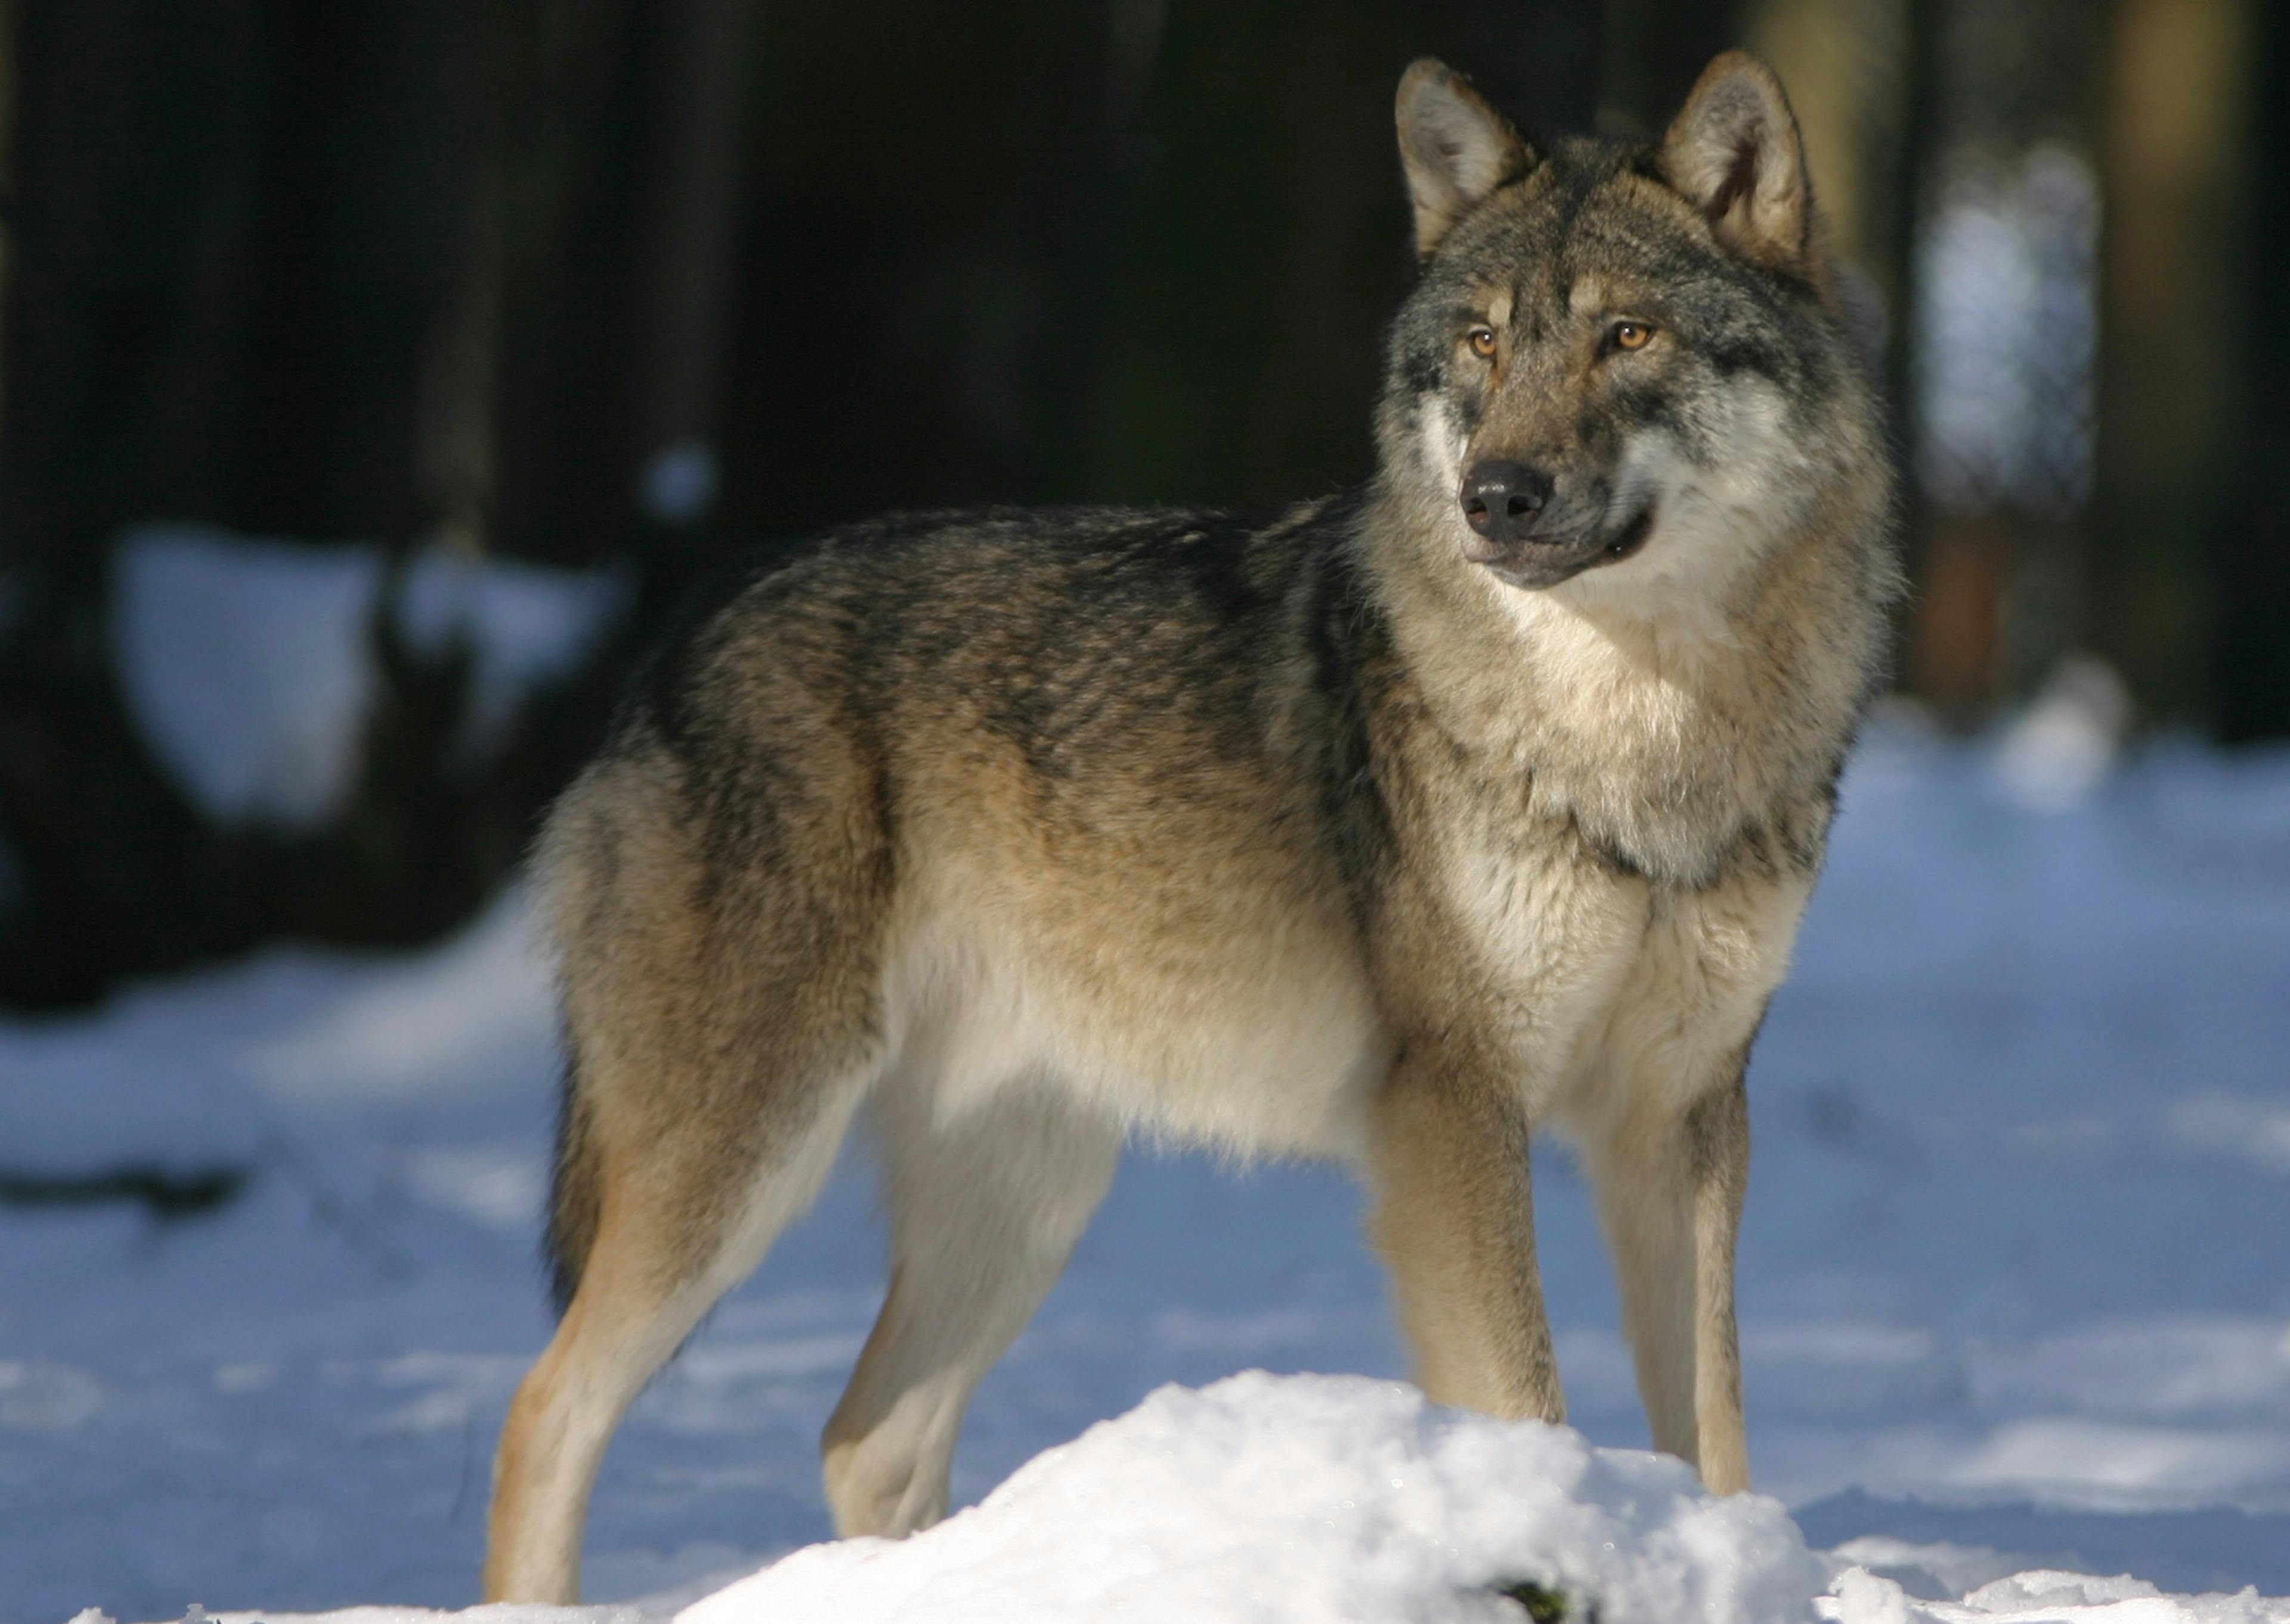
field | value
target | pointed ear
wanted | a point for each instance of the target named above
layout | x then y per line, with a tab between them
1454	147
1734	154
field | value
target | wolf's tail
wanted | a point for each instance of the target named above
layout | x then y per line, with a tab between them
575	1192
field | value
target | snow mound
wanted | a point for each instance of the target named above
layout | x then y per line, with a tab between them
249	665
244	666
1318	1497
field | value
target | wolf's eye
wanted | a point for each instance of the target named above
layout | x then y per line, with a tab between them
1629	335
1482	340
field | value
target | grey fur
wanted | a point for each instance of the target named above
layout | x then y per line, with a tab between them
1021	831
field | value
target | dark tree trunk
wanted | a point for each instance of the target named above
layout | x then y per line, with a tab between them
2177	84
1654	50
2253	652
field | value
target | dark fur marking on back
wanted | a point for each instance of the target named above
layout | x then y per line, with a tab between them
1347	639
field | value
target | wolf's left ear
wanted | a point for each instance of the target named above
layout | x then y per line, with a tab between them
1454	147
1734	154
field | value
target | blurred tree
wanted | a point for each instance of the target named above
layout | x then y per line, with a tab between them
7	134
115	270
237	264
1847	66
1863	76
919	298
1267	239
2250	665
1155	269
619	217
689	236
1653	51
1998	344
2173	332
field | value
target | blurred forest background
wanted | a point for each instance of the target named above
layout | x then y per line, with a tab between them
622	286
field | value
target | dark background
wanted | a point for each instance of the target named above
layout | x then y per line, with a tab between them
446	273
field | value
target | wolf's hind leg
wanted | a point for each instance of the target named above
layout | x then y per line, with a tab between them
1669	1188
984	1212
678	1220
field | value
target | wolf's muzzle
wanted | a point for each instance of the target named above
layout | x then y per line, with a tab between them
1502	500
1543	554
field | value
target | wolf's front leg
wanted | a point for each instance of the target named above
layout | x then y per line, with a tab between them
1669	1183
1454	1220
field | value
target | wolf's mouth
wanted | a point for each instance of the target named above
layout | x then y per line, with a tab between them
1631	537
1538	562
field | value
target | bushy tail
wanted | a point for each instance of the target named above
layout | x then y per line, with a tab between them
574	1194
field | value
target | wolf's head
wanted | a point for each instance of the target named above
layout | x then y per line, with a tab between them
1621	366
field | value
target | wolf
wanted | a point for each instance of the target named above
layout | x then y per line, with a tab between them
1479	801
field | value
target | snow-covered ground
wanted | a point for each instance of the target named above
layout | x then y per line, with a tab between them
2015	1293
250	665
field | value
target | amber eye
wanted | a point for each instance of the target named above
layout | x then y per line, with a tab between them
1629	335
1483	342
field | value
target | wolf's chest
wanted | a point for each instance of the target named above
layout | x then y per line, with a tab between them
1605	984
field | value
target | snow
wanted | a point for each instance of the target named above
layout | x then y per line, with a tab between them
678	485
1326	1498
2015	1305
249	666
2058	749
242	664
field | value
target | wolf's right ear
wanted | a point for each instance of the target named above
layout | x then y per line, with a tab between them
1454	147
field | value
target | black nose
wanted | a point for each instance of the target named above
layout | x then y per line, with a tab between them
1501	498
